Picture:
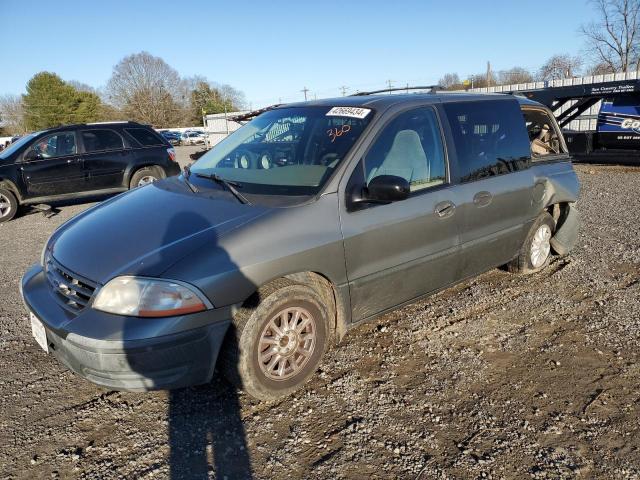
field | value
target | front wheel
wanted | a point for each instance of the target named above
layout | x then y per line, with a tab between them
275	346
8	205
536	250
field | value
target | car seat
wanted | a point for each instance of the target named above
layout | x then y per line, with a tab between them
406	159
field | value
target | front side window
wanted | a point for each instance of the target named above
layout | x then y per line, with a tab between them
489	136
409	147
288	151
58	145
101	140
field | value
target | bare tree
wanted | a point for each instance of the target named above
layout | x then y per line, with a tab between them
146	89
559	67
450	81
12	114
82	87
614	38
515	75
600	69
479	80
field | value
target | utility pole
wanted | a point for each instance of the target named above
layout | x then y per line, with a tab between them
488	74
407	87
305	90
344	89
390	85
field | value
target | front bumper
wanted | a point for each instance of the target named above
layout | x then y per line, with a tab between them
128	353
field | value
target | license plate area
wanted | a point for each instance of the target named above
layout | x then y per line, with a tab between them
38	332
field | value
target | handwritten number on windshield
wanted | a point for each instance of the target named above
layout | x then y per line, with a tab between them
338	132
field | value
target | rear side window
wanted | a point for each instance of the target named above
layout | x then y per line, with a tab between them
101	140
145	137
543	136
490	138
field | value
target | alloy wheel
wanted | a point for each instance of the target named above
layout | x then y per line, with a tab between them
146	180
287	343
540	246
5	206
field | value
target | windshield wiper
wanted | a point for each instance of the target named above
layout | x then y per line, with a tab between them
186	175
231	186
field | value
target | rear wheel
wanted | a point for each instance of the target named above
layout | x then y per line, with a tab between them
8	205
145	176
536	250
276	344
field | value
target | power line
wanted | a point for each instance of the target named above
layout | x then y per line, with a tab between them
390	85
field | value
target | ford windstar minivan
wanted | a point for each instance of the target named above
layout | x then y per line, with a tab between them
308	220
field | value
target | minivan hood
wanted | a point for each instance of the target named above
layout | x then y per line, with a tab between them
145	231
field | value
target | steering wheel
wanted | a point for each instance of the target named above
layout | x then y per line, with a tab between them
245	159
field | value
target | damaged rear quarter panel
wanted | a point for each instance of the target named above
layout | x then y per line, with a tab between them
557	183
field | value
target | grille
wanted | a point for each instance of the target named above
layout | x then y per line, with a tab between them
70	291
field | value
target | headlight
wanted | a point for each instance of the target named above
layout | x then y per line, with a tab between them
146	297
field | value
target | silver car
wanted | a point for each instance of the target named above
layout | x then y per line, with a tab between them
307	221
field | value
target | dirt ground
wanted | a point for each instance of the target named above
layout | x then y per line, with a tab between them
503	376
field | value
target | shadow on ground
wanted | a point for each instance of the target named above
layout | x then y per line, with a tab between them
206	434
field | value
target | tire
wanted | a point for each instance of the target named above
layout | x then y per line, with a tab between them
536	250
280	372
145	176
8	205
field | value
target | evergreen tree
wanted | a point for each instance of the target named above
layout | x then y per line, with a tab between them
50	102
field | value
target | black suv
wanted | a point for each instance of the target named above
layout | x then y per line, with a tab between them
74	161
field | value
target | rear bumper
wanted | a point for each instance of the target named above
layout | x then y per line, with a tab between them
566	234
118	355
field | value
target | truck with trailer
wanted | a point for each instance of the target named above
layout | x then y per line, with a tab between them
599	115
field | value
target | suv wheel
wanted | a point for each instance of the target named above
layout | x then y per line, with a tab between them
145	176
8	205
273	348
536	251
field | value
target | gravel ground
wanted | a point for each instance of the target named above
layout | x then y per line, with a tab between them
502	376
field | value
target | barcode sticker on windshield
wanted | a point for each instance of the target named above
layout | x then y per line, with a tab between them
353	112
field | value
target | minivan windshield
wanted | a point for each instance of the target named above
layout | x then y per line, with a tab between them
286	151
16	145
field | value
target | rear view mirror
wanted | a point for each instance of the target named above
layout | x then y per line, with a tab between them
388	188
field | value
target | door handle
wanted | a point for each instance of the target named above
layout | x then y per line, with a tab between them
482	199
445	209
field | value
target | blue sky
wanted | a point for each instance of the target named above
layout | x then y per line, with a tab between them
272	49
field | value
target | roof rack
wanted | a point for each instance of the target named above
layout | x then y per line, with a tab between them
431	88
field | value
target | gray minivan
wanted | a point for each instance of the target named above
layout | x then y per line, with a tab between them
308	220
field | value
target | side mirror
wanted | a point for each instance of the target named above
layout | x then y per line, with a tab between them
387	188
